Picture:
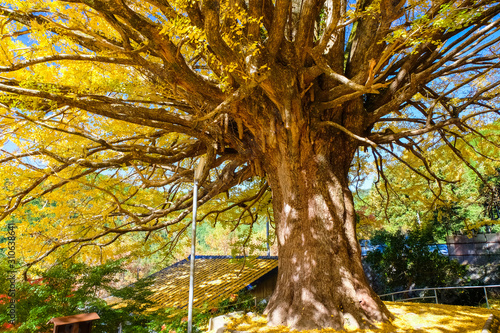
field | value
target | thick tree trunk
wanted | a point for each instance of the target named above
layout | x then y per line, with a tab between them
321	282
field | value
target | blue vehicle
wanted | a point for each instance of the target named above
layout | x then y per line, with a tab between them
366	247
441	248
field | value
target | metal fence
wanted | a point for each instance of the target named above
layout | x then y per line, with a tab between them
435	296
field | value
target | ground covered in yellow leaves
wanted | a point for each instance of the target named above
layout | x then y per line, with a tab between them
433	318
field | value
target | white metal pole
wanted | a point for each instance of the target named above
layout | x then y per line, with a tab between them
197	176
193	254
267	237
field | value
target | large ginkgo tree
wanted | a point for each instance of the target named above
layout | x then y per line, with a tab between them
108	105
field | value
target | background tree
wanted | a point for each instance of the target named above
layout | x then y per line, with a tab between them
462	208
491	195
110	103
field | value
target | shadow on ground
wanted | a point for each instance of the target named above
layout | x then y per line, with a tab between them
416	318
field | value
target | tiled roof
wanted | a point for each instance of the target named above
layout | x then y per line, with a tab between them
216	278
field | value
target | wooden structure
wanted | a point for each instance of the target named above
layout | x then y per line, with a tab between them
216	278
264	287
80	323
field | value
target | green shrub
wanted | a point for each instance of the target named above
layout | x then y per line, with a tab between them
71	288
406	261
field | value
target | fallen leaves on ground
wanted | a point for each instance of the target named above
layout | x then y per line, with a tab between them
432	318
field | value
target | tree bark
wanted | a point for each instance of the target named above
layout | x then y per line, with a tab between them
321	282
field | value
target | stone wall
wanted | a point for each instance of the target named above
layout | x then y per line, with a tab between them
480	249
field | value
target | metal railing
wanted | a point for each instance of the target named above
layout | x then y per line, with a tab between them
435	296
